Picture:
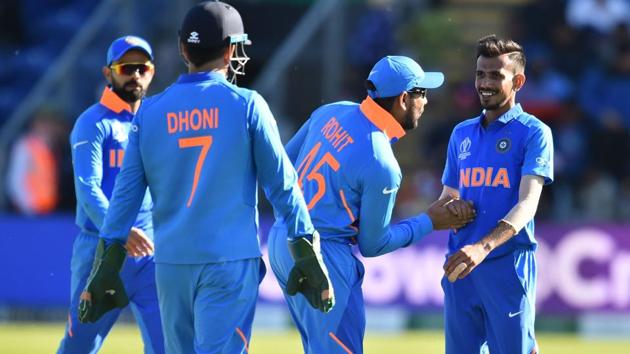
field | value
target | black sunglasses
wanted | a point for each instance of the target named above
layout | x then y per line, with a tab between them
417	91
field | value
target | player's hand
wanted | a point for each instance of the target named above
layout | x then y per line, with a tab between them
309	276
138	243
451	213
462	262
104	290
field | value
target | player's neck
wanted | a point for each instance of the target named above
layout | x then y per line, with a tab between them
492	114
134	106
217	65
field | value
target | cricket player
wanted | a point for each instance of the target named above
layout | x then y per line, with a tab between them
98	142
350	178
500	161
201	146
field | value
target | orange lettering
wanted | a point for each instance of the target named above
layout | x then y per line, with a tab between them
195	113
183	120
334	127
464	177
112	158
501	178
348	141
488	176
171	122
478	175
121	156
326	128
208	119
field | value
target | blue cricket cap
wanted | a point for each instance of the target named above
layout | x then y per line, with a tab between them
122	45
393	75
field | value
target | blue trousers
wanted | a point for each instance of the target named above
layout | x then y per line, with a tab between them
342	329
493	307
208	308
138	275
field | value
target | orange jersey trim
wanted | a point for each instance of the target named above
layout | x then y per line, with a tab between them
343	346
243	338
114	103
382	119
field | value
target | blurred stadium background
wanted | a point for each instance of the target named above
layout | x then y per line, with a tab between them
309	52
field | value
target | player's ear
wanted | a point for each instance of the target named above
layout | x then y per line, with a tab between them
402	100
107	73
518	81
399	107
182	52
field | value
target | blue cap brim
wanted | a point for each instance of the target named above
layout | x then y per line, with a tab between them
432	80
140	48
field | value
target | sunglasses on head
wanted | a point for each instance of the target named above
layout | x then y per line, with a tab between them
131	68
417	91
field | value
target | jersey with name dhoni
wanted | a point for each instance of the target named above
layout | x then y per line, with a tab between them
98	141
486	166
201	146
350	177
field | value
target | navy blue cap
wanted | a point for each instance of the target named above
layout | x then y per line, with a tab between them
393	75
122	45
212	24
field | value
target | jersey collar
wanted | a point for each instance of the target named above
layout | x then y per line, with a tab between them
114	103
512	113
382	119
201	76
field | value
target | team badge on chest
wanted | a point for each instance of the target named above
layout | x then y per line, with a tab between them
503	145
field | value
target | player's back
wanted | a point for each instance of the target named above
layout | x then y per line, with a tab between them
341	148
197	155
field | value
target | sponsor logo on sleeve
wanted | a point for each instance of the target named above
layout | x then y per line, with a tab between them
389	190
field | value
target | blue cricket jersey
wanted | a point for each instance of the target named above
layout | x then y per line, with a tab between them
98	140
486	166
200	146
350	177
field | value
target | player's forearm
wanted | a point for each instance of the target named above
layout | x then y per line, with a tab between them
396	236
293	210
502	233
529	194
93	201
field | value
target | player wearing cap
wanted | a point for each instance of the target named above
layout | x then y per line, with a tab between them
98	143
349	176
500	161
201	146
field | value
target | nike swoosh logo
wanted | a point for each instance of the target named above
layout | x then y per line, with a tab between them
79	144
389	191
110	292
510	315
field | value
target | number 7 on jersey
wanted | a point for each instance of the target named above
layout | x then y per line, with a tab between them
204	142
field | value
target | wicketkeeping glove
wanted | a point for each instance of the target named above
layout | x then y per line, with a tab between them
104	290
309	276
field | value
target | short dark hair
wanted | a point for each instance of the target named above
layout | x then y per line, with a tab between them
199	56
491	46
387	103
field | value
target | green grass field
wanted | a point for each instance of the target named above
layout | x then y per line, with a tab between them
44	338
